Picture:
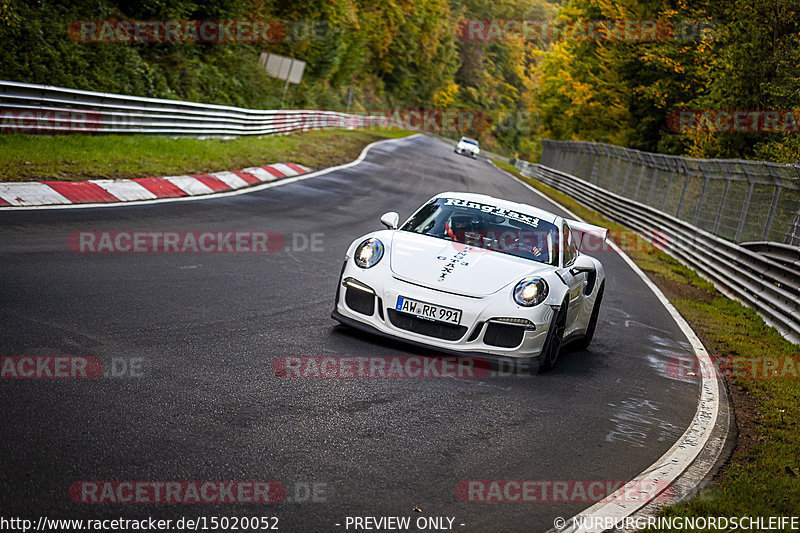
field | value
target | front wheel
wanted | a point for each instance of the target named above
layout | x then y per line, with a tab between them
552	343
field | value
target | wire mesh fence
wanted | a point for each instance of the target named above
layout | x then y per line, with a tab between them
762	275
738	200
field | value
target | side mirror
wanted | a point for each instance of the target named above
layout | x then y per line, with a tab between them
578	269
390	220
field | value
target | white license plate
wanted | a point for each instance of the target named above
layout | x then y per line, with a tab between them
430	311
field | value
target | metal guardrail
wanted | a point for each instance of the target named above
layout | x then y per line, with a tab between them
33	108
782	253
735	199
769	286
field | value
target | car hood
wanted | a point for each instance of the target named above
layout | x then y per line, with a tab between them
453	267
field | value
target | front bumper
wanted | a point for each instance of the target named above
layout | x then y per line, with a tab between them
470	151
368	302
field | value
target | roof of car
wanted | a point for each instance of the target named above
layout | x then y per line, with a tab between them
504	204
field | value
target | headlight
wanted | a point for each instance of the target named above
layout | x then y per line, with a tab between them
531	291
368	253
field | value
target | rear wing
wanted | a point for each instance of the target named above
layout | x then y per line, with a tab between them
582	228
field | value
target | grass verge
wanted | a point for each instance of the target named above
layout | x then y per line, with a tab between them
81	157
762	478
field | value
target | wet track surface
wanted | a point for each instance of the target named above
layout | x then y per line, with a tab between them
206	329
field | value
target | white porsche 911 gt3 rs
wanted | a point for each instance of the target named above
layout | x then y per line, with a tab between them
469	146
475	275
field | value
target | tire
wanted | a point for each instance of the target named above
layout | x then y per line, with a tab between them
584	342
552	343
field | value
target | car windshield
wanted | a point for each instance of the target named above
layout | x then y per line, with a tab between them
487	226
469	141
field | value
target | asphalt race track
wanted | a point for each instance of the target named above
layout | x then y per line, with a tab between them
202	332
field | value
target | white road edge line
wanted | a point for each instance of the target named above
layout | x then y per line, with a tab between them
277	183
686	449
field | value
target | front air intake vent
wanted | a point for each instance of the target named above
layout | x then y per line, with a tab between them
503	335
359	301
430	328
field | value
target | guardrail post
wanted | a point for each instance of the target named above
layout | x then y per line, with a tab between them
641	179
666	190
745	209
794	231
702	198
722	199
772	208
721	206
683	193
654	174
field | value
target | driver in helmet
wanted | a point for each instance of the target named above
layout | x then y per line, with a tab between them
458	224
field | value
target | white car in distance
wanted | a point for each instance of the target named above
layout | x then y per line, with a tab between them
468	146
